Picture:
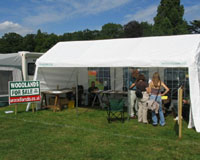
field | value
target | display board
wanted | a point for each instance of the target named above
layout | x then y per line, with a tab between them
24	91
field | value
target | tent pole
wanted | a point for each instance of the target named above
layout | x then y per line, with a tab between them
114	78
34	78
128	108
77	92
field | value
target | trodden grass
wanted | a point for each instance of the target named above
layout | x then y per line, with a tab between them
86	134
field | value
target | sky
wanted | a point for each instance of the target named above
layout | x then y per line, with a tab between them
64	16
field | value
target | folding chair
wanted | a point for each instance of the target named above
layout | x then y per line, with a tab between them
115	110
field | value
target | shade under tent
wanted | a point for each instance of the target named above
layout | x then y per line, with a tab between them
165	52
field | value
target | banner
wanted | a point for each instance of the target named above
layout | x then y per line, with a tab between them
24	91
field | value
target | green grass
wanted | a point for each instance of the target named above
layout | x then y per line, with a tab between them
87	135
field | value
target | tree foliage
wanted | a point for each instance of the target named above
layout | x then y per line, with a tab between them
194	26
169	19
11	42
111	30
133	29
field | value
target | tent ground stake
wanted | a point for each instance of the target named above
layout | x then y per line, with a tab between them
15	109
33	109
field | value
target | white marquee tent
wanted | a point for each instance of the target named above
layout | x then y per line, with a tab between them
56	66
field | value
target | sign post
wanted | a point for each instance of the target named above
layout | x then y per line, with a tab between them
24	91
180	104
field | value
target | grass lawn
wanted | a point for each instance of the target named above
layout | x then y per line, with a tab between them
86	134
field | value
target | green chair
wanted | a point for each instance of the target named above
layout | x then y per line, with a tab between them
115	110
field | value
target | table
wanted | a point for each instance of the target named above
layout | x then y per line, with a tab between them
97	95
100	94
57	94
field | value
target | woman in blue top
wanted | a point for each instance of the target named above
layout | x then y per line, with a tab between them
154	90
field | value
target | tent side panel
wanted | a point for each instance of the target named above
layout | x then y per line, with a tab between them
51	78
194	98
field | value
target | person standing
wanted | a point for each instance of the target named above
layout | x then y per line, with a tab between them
131	94
155	91
142	86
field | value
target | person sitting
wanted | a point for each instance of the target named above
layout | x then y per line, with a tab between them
91	95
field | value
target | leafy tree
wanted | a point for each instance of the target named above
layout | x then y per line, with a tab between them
40	40
66	37
111	30
11	42
194	26
90	35
29	42
169	18
133	29
147	29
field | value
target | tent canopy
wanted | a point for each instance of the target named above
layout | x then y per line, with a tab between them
169	51
166	51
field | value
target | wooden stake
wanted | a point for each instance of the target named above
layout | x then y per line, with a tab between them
33	109
180	105
15	109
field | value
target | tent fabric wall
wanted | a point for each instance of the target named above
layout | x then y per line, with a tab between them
12	59
16	75
51	78
194	77
166	51
9	63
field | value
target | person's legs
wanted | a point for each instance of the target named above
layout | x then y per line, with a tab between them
162	118
144	107
135	103
131	103
140	110
154	117
144	113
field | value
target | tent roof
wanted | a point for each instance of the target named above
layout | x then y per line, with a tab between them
165	51
11	60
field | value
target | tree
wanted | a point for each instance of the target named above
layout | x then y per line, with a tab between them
10	43
111	30
29	42
146	29
39	41
194	26
169	19
133	29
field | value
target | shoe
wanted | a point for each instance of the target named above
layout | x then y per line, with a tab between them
176	119
133	117
155	125
162	125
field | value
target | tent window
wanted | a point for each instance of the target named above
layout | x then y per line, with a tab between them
5	77
101	76
174	77
127	73
31	69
